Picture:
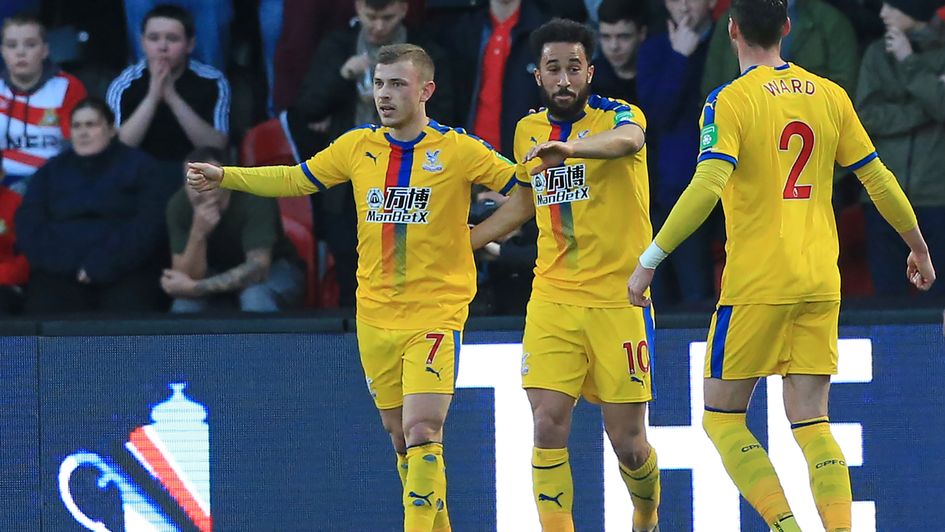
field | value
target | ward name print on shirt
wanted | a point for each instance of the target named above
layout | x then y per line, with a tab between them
400	205
561	184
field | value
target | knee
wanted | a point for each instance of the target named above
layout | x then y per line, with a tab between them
551	429
258	298
422	430
631	446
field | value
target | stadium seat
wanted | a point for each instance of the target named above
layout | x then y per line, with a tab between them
302	237
854	269
265	145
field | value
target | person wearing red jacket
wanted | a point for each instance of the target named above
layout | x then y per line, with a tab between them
14	269
36	100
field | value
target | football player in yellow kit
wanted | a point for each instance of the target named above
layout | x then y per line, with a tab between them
769	142
590	197
412	180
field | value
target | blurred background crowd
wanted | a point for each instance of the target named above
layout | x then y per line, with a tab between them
103	101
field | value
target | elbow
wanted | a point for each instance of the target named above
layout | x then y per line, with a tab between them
127	138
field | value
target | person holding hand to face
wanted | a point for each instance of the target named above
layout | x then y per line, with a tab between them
168	103
670	70
899	100
228	251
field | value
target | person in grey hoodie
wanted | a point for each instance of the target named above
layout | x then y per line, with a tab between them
900	99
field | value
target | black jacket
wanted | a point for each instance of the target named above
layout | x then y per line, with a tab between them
466	40
325	93
103	213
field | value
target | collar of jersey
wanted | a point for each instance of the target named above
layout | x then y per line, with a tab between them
406	145
785	66
565	122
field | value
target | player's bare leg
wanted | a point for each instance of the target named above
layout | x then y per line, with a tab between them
416	432
805	403
627	432
393	422
745	460
551	471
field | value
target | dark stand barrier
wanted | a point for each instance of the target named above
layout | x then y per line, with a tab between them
275	431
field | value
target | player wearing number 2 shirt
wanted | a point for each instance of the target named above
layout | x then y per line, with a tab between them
769	142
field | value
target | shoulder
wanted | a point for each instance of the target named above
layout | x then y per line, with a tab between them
457	136
823	13
73	82
656	43
727	91
204	70
210	76
358	134
132	155
128	76
874	52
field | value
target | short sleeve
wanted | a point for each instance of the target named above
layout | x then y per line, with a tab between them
489	167
854	148
626	114
260	230
720	136
179	217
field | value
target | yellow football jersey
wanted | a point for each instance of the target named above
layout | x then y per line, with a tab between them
593	215
782	128
415	262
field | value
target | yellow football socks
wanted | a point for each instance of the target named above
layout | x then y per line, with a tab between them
644	486
749	466
829	476
554	495
424	488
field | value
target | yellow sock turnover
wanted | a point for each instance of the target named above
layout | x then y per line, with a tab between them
554	495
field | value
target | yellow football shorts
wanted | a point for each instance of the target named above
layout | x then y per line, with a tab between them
748	341
602	353
399	362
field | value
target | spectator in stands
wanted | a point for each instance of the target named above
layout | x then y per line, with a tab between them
821	41
622	29
336	95
864	17
900	101
670	72
495	81
212	18
91	223
36	100
14	269
229	251
168	103
304	25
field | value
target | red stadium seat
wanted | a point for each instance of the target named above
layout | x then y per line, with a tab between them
266	145
302	237
854	269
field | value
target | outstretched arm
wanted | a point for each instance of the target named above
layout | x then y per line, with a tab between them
513	213
269	181
611	144
694	206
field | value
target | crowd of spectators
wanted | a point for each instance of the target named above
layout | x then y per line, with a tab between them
103	101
